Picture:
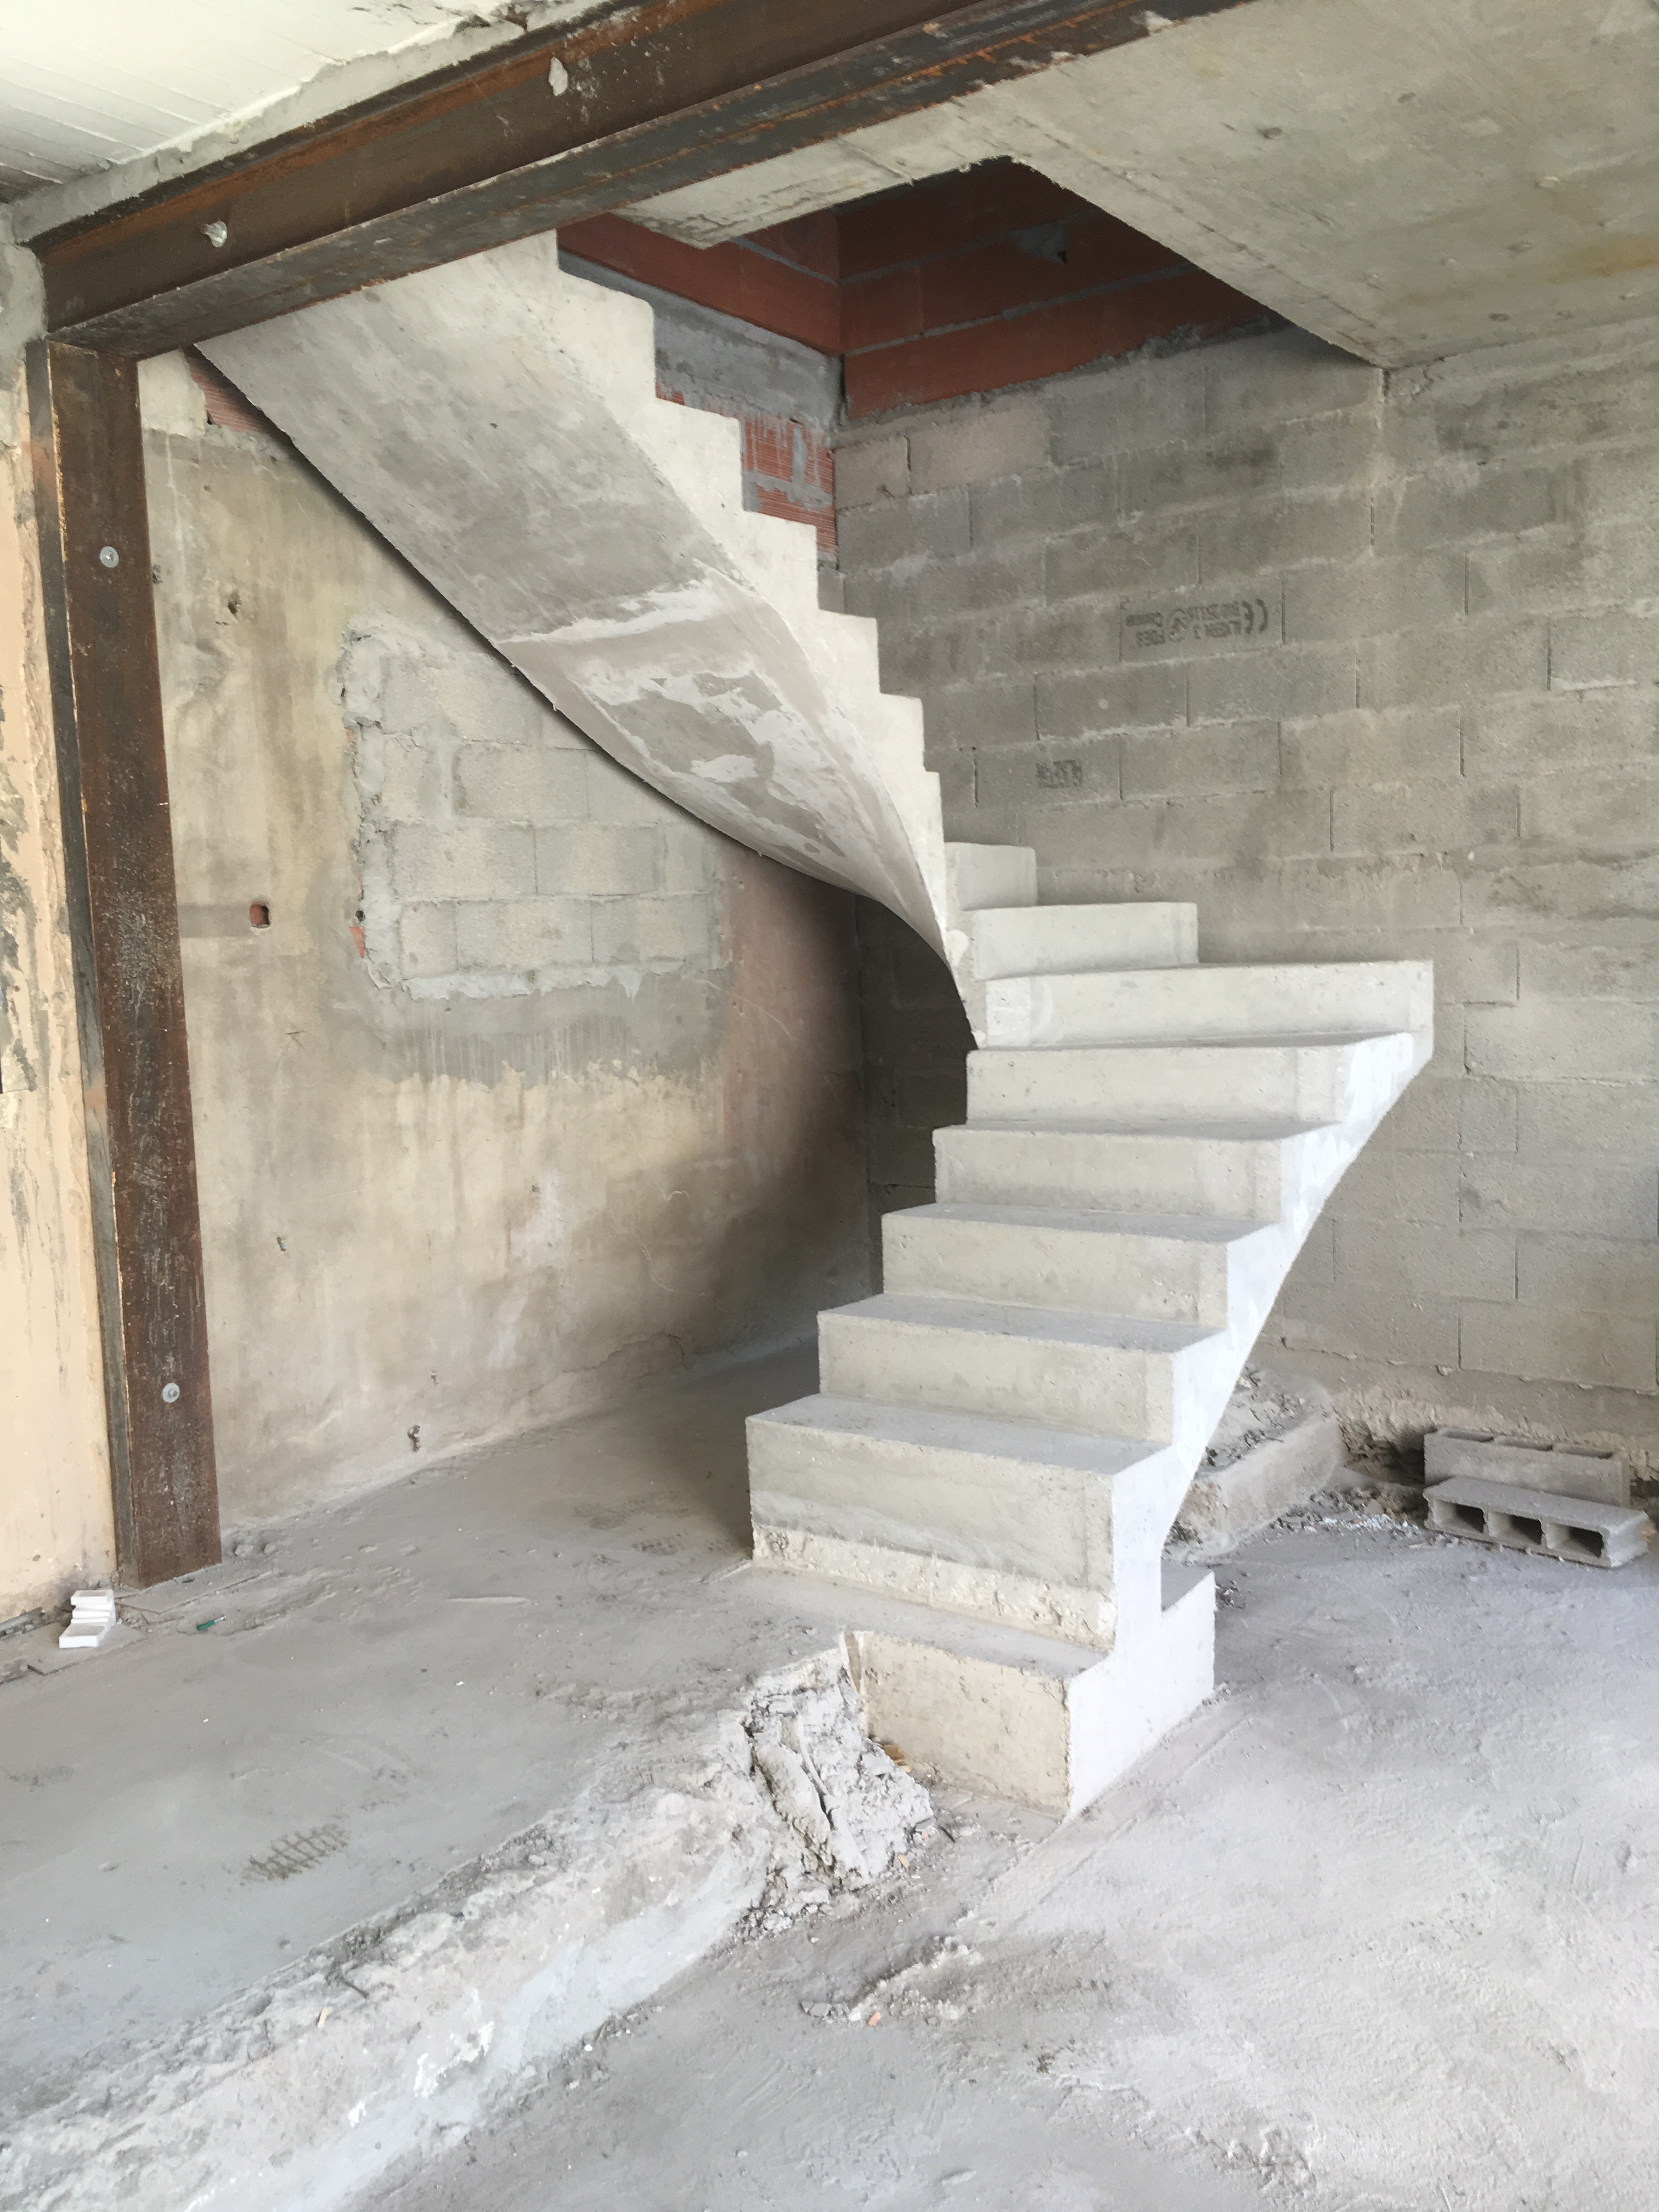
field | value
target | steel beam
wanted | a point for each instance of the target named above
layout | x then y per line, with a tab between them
123	930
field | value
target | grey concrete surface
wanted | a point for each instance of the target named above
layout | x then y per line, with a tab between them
1373	1933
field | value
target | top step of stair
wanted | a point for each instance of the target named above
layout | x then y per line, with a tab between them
1193	1005
989	875
1066	940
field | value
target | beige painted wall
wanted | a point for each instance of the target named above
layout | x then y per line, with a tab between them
56	1527
585	1105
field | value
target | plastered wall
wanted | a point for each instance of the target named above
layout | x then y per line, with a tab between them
532	1087
1366	666
56	1526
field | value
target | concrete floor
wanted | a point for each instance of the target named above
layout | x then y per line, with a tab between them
1378	1928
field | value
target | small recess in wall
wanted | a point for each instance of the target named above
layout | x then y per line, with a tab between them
259	915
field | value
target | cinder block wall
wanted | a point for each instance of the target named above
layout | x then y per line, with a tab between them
1366	666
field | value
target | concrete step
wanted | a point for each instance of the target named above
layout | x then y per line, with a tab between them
1060	1367
1177	1003
1048	940
1143	1266
1003	1494
1292	1078
979	876
1233	1170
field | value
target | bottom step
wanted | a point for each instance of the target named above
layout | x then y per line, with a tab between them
1025	1717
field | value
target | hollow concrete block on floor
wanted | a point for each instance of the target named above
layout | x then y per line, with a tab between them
1566	1470
1524	1520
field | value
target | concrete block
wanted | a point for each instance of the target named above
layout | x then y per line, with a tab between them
1402	1257
1218	758
1284	533
1577	406
1458	504
1126	409
1077	634
1237	1492
932	527
1579	1117
1594	968
1406	892
990	713
1387	1183
1149	553
1488	1114
1583	1201
1210	472
1349	1324
1547	1039
597	861
1497	890
973	448
465	859
870	470
523	933
414	781
1314	1265
1276	682
1526	1464
1425	817
1244	617
1605	810
1147	833
1111	699
650	929
1284	378
1533	1521
1545	1345
426	939
1572	731
1589	1274
1366	598
622	801
919	660
689	853
989	579
1463	660
1056	774
502	784
1043	504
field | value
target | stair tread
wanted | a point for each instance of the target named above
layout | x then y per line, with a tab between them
1272	1130
1026	1442
1039	1324
1294	1040
1096	906
1098	1221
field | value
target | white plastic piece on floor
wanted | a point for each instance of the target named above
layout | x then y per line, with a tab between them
92	1616
1522	1520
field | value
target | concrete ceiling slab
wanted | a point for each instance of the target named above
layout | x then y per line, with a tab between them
1405	178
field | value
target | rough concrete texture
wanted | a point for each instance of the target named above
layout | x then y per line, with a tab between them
1372	1934
1404	178
497	420
584	1107
1278	1445
1440	744
264	1933
56	1527
1600	1475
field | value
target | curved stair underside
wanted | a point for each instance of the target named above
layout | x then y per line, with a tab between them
1005	1435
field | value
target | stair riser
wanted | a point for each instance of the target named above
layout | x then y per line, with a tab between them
1141	1277
1047	940
1181	1004
1240	1180
1030	1519
1168	1083
1103	1390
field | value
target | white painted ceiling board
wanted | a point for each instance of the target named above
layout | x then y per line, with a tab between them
85	83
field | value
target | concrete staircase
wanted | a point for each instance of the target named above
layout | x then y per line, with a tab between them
1006	1433
1003	1436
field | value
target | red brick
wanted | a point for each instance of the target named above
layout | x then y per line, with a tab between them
1019	348
811	241
916	221
879	309
773	295
987	280
768	448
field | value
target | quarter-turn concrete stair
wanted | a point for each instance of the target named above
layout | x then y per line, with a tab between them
1005	1435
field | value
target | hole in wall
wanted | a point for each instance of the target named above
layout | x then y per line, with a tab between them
259	915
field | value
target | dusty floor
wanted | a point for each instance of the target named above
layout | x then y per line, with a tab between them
1380	1928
